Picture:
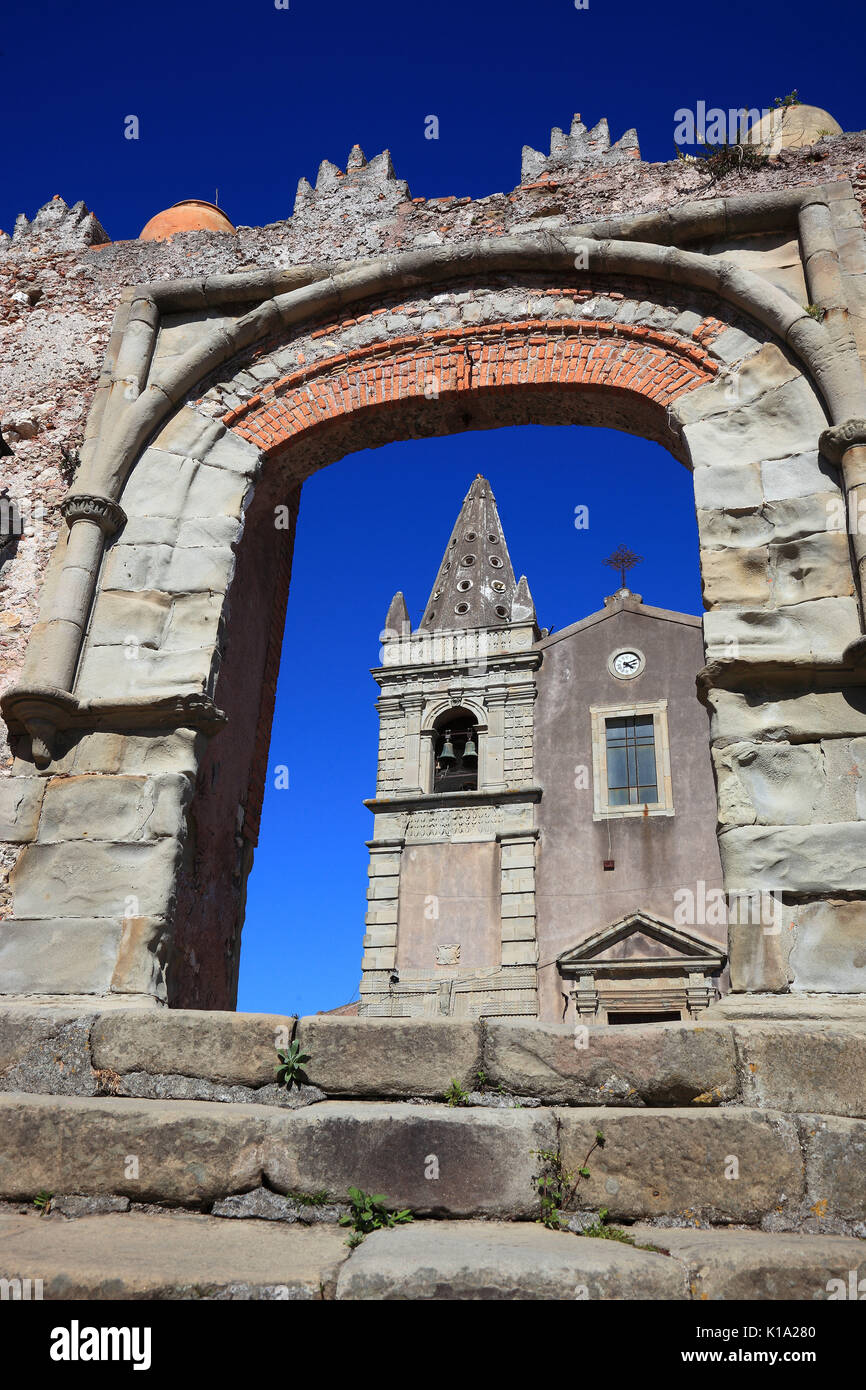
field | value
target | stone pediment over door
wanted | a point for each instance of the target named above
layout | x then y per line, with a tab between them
641	964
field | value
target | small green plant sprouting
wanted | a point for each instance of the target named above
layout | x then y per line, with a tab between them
354	1241
308	1199
556	1185
291	1072
816	312
42	1202
790	100
481	1078
455	1095
369	1212
600	1230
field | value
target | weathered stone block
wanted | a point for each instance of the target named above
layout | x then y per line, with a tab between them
812	568
799	858
799	475
487	1260
389	1057
20	804
729	486
45	1049
817	628
135	1255
786	420
483	1158
751	1265
237	1049
801	1068
81	879
829	950
835	1164
520	952
796	718
60	955
129	620
736	575
722	1165
186	1151
113	808
640	1065
762	372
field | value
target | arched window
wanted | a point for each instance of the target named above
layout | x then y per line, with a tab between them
455	752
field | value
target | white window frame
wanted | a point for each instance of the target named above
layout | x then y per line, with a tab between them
602	810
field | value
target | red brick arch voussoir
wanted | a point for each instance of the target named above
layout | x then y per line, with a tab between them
656	366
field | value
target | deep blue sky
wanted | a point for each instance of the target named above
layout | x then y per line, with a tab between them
247	98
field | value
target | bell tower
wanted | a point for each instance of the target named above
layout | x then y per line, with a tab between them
451	921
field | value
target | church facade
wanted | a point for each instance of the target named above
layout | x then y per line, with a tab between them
544	821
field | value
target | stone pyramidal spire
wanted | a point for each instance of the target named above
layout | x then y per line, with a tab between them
475	586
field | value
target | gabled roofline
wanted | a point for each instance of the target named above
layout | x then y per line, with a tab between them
629	605
699	950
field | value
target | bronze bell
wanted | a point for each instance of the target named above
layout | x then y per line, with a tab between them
447	755
470	752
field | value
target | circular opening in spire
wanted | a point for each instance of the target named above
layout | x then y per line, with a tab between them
468	560
496	562
501	611
469	535
464	584
498	585
462	608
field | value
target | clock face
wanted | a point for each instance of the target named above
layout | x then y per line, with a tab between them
627	663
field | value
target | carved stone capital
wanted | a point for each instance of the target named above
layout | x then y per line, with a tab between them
108	516
838	439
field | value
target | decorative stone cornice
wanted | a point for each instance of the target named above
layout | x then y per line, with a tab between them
43	712
838	439
108	516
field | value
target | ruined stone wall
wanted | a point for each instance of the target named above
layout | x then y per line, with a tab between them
65	282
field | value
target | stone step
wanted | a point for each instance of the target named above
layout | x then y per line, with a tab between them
728	1164
791	1063
489	1260
139	1255
170	1256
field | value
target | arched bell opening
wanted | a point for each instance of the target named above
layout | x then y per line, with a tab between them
455	752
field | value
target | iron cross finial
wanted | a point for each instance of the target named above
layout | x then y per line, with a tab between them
623	559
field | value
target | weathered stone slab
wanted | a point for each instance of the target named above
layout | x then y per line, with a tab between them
829	949
835	1167
181	1256
799	858
389	1057
831	714
235	1049
818	628
83	879
477	1260
434	1159
649	1065
678	1162
785	420
113	808
801	1068
45	1050
755	1266
188	1152
78	955
20	804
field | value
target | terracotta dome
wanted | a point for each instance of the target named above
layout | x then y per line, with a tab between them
189	215
791	128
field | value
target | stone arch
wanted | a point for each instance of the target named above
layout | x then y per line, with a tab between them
727	371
